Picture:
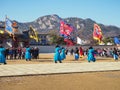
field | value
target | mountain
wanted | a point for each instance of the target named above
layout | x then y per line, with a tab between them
83	27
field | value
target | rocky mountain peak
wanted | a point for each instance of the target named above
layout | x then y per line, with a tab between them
84	27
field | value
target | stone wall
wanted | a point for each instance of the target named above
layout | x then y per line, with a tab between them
51	49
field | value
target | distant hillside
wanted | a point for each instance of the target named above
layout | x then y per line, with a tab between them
84	27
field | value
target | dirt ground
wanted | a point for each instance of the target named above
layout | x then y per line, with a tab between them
74	81
48	58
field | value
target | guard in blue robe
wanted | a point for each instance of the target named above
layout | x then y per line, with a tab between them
63	55
57	56
28	54
2	55
91	53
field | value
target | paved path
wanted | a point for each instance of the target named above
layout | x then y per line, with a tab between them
52	68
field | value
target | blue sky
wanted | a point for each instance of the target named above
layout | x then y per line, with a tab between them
102	11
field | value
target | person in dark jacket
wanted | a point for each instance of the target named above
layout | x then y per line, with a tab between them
76	53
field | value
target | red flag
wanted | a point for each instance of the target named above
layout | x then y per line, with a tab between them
65	31
97	33
69	42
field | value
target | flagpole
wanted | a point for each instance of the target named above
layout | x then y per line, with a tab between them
5	21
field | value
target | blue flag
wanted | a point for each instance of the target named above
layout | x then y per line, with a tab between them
8	26
116	40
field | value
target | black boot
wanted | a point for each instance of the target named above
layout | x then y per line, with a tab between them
5	63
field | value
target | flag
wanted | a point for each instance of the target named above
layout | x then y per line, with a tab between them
9	28
9	44
65	32
79	41
65	29
97	33
33	34
69	42
116	41
15	27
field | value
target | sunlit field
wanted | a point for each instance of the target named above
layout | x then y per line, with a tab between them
48	58
72	81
